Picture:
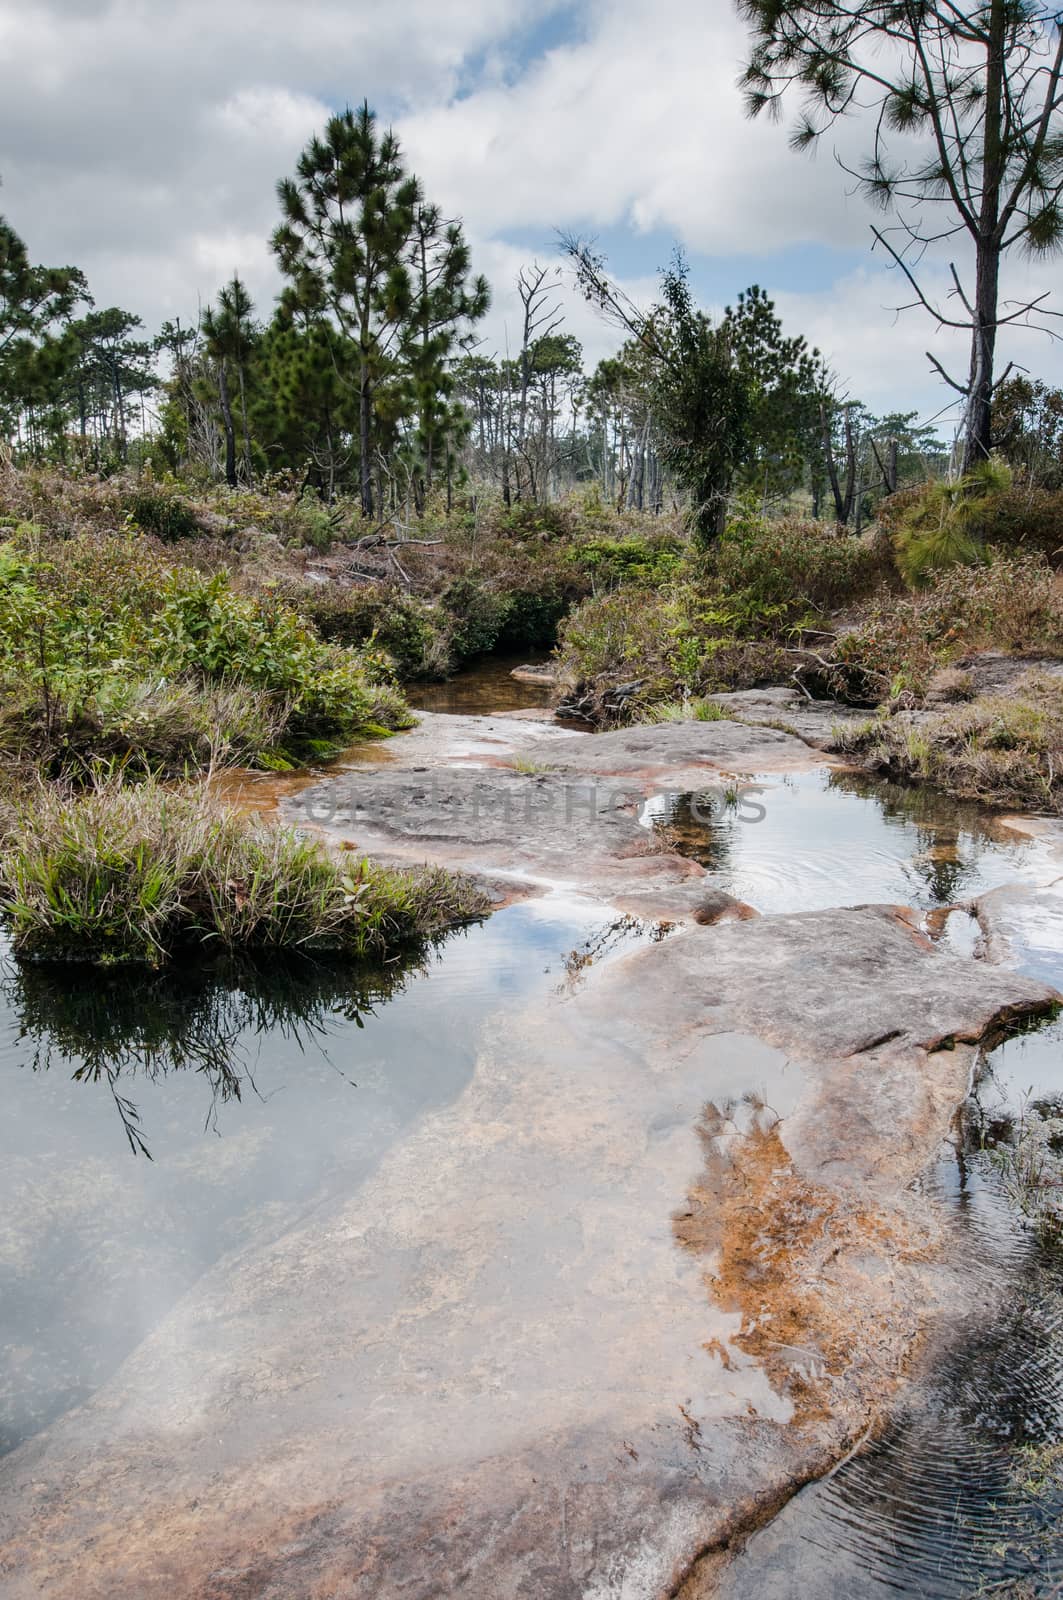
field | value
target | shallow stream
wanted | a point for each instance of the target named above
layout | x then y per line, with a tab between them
150	1128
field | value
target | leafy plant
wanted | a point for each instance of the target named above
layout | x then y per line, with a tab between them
947	525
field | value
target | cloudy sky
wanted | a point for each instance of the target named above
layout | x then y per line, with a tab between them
142	140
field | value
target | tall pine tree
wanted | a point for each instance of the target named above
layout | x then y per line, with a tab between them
387	282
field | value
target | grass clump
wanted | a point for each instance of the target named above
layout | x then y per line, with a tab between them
1030	1165
1000	750
947	523
696	709
139	874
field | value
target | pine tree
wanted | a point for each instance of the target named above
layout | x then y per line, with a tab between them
348	217
230	336
967	140
36	304
445	300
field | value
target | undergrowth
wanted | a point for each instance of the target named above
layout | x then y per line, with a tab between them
138	874
1003	750
110	649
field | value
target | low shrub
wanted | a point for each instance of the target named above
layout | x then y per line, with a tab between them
1000	750
332	693
160	509
636	559
109	648
1012	603
677	642
527	521
138	874
409	630
477	615
794	565
976	514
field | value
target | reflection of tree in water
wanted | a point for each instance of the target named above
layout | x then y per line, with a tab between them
700	826
945	829
117	1025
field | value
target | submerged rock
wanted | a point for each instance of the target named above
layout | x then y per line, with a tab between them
656	1264
544	673
714	906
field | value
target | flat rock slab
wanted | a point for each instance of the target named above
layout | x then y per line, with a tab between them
562	811
812	721
542	1352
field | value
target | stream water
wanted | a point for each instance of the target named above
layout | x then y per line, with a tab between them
151	1127
486	687
962	1494
812	840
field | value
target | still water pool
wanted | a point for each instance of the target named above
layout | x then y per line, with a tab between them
151	1126
813	840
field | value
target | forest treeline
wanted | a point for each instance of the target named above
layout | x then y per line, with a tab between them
369	377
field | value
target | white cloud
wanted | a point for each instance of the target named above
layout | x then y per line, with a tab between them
639	122
142	140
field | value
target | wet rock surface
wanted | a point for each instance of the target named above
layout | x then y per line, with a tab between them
532	1354
552	808
661	1260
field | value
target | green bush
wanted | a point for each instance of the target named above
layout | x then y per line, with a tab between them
478	615
108	648
680	641
612	562
408	629
160	509
795	565
531	618
139	874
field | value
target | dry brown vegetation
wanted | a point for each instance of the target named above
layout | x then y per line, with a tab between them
1002	749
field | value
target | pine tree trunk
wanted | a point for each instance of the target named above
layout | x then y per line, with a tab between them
248	474
227	424
978	432
365	466
832	465
978	429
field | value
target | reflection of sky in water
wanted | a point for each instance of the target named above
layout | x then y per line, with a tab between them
271	1111
813	840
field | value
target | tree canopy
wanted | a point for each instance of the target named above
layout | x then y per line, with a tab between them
967	142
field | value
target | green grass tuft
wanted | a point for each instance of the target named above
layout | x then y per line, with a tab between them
138	874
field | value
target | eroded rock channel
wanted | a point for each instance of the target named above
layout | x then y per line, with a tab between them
539	1283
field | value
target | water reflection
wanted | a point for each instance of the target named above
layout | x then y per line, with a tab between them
815	840
203	1018
963	1493
484	688
260	1093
